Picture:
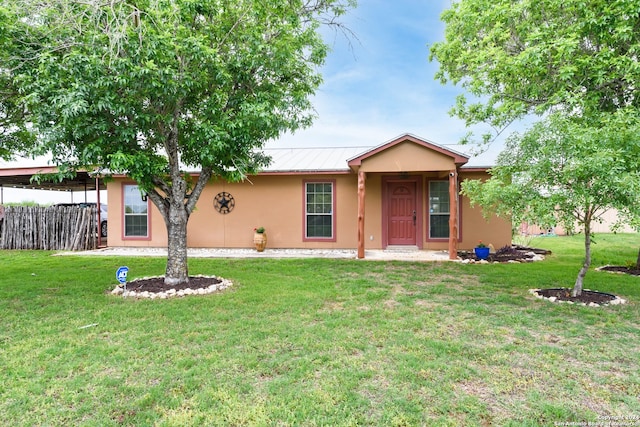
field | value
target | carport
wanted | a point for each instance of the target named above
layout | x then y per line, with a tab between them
24	177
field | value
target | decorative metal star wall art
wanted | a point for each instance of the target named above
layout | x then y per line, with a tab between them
224	202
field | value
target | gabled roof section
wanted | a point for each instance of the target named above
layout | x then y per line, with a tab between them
458	158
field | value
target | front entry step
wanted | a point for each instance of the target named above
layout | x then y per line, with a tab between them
401	248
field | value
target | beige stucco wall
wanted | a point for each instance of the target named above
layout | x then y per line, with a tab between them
474	227
276	202
115	234
373	212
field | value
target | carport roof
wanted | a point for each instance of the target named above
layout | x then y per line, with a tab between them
21	177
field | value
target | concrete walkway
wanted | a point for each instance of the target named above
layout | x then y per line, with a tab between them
370	255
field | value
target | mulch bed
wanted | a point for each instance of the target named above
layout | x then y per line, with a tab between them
156	284
620	269
564	294
506	254
526	254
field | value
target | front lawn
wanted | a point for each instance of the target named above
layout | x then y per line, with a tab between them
319	342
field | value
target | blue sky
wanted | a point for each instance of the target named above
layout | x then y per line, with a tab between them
377	86
383	84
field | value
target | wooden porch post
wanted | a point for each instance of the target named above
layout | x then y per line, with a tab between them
453	215
361	193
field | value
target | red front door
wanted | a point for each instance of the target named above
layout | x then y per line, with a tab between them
401	227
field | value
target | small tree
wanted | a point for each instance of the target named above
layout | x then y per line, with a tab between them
564	172
155	87
560	57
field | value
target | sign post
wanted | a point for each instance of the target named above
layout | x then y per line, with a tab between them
121	275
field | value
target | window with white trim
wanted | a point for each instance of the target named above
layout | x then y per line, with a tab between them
439	209
319	212
136	217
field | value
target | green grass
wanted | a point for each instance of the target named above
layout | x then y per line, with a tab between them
319	342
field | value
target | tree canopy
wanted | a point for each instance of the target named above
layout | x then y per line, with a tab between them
15	136
153	88
573	63
560	172
534	56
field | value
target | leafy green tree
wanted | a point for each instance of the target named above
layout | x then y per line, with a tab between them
560	172
15	136
153	88
572	62
517	58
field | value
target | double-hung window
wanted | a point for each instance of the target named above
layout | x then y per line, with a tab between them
136	216
439	209
319	211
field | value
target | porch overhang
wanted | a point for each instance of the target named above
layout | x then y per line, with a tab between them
406	155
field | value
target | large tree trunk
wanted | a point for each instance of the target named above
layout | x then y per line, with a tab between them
175	205
176	214
577	287
177	271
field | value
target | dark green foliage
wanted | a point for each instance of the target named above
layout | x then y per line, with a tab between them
172	94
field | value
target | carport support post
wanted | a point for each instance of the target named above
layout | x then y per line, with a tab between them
453	215
361	193
98	214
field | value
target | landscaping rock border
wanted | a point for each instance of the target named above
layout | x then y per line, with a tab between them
133	288
521	257
615	300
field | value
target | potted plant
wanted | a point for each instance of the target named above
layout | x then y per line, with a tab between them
481	250
259	238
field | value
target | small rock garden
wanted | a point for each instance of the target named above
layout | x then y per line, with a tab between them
509	253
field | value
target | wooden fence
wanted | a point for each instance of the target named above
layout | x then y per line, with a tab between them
71	228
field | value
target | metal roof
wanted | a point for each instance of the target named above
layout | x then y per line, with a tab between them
324	159
482	160
22	177
335	159
284	160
